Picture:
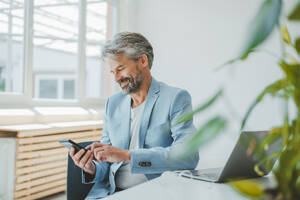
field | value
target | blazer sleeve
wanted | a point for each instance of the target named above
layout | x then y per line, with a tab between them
101	167
157	159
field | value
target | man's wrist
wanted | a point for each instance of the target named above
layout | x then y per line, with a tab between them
128	156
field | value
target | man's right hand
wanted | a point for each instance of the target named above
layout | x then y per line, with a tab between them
84	161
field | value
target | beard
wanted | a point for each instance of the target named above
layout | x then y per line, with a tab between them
134	82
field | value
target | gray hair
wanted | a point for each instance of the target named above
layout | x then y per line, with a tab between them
133	45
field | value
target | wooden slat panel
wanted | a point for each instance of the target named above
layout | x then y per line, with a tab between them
39	188
39	174
55	130
41	161
33	133
58	137
37	168
89	139
60	127
44	193
42	153
20	186
33	147
35	161
28	147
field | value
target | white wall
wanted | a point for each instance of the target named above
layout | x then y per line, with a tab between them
191	37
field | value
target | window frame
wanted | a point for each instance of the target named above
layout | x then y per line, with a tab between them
27	99
60	78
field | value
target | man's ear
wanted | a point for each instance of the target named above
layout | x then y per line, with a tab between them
144	60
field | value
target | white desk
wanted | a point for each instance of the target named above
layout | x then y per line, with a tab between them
169	186
172	187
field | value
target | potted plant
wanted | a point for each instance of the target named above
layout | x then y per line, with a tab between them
287	171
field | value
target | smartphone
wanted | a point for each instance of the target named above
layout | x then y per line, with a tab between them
70	143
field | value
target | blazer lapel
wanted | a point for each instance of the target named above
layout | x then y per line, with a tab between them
125	122
152	96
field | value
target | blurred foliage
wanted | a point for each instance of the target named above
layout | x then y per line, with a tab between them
249	188
206	132
287	172
2	86
263	23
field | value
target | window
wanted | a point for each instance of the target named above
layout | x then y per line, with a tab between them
69	89
96	34
48	89
50	49
55	86
11	46
55	43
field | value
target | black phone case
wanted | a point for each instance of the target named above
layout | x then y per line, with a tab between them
70	143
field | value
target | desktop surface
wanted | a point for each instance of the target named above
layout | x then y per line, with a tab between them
173	187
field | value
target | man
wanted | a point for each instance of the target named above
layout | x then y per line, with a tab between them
140	123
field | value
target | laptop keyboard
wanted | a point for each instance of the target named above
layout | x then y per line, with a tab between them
208	174
211	176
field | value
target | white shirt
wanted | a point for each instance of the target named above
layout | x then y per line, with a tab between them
124	178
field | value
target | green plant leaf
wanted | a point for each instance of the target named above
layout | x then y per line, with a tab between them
267	162
208	131
295	14
287	164
261	147
200	108
297	45
285	35
271	89
273	136
292	72
262	25
248	188
229	62
291	59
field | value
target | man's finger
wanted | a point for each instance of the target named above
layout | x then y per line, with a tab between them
93	146
102	155
89	147
98	155
96	150
79	154
72	151
84	159
89	162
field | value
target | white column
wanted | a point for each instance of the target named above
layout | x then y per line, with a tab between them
81	70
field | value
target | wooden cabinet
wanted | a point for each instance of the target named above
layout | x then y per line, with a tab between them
40	162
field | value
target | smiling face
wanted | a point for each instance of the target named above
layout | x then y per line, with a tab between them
127	73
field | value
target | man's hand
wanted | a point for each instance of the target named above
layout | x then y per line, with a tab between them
84	161
108	153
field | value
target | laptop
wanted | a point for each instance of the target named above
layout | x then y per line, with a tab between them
241	162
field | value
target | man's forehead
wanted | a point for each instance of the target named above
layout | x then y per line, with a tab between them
115	57
113	61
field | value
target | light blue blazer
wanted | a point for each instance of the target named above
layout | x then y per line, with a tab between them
159	133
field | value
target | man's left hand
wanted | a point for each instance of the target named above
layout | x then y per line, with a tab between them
108	153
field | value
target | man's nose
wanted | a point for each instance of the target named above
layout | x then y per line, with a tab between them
118	77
